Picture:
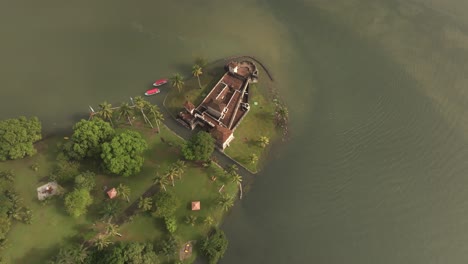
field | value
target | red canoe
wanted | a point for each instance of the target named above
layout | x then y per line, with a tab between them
160	82
152	91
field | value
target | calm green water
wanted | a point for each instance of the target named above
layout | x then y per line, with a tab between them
376	170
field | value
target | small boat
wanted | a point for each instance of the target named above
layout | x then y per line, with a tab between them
152	92
160	82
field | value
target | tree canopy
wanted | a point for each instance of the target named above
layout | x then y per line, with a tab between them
200	147
17	137
77	202
85	180
126	253
123	154
87	138
166	204
215	245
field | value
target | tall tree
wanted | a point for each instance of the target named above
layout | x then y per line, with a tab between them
109	210
85	180
169	246
226	202
237	179
179	166
177	81
171	174
231	170
145	203
88	137
200	147
126	111
17	137
106	112
157	115
191	220
75	254
209	221
253	158
112	229
123	155
161	181
124	192
197	71
77	202
215	245
102	241
167	203
263	141
140	104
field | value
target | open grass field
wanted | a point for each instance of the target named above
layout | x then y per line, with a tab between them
258	122
52	227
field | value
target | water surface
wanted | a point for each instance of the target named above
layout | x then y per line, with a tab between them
376	169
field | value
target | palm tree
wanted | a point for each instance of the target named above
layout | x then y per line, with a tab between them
209	221
237	179
109	210
106	111
191	220
197	71
112	229
253	158
80	254
126	111
124	192
161	181
102	242
157	115
179	166
171	174
140	104
177	81
231	170
263	141
226	202
145	203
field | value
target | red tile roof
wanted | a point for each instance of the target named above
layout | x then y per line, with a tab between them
221	134
112	193
195	205
189	106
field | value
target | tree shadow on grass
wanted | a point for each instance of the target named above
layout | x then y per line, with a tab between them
264	115
42	255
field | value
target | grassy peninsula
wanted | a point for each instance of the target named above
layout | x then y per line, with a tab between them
124	187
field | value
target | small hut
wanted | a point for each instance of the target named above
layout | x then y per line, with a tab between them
195	205
112	193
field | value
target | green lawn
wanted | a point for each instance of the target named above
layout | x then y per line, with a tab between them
195	185
258	122
53	228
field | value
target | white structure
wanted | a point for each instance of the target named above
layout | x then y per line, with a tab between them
48	190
